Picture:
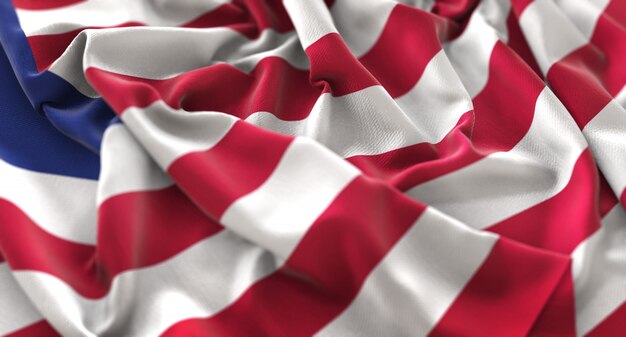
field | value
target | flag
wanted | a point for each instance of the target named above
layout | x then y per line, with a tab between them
306	167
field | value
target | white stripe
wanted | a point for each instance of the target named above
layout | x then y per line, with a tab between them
495	13
583	14
16	310
349	125
145	302
311	20
361	22
305	182
599	271
417	281
425	5
126	166
606	134
60	205
505	183
160	57
369	122
470	53
285	46
549	32
168	134
621	97
437	101
104	13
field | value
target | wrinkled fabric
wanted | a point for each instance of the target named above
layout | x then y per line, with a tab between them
328	168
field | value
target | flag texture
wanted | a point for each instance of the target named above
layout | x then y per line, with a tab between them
191	168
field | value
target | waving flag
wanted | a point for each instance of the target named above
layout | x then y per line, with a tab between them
307	167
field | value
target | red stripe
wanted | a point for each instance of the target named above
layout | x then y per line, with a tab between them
226	15
558	317
574	80
273	85
125	241
236	166
607	198
335	69
612	326
517	42
396	66
140	229
615	12
507	293
121	91
410	166
610	38
553	224
457	10
39	329
265	14
503	113
42	5
325	271
505	108
27	247
519	6
406	45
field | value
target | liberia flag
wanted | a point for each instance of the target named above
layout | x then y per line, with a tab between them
244	168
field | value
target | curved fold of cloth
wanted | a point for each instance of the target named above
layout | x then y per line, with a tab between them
298	168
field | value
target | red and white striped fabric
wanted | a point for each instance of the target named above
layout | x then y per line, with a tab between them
310	167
